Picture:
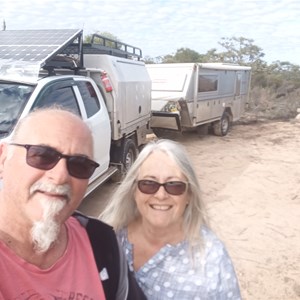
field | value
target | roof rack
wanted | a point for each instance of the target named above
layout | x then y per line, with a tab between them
104	45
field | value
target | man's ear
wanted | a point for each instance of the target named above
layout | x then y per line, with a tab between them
3	156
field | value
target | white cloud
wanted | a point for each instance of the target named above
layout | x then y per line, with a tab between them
161	27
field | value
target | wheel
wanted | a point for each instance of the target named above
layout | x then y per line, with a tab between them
129	154
221	127
126	155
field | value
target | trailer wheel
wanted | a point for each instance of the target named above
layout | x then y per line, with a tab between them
221	127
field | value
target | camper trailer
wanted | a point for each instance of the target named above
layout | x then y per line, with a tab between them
189	96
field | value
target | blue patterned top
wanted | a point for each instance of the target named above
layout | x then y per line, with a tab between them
170	273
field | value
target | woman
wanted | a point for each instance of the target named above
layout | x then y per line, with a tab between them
159	217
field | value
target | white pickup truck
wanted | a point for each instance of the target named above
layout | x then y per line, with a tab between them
104	82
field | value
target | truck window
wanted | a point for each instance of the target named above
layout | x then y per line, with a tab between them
61	95
13	98
89	97
207	83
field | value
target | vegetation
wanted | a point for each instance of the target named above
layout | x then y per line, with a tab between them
109	36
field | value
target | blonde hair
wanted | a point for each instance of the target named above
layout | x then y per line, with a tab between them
122	209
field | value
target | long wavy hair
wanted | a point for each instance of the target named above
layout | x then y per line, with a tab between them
122	209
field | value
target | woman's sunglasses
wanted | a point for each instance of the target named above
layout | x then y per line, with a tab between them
172	187
46	158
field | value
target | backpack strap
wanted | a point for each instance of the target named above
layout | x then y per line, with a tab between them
106	252
117	280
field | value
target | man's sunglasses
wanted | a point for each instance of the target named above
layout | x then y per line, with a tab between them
46	158
172	187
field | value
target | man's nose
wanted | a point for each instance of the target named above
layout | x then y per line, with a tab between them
59	173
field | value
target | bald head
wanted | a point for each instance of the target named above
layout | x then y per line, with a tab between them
47	124
49	119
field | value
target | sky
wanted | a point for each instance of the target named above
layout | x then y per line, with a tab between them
161	27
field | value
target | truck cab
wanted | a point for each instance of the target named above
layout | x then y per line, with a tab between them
115	106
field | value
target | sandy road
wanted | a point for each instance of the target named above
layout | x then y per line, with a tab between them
251	184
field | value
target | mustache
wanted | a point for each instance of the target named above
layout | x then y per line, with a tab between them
46	187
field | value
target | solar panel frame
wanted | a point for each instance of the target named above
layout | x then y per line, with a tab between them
38	46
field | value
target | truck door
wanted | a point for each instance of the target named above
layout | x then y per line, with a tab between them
76	96
96	116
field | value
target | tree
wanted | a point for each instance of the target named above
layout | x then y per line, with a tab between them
88	38
240	51
182	55
211	56
149	60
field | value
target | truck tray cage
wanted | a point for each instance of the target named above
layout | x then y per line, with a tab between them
103	45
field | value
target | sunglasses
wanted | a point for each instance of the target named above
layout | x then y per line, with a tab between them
172	187
46	158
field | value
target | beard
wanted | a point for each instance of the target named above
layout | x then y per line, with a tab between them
45	231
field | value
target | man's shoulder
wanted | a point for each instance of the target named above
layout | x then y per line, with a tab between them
85	221
110	257
102	236
106	251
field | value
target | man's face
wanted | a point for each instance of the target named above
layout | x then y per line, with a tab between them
25	188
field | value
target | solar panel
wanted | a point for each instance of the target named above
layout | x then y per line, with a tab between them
34	45
24	52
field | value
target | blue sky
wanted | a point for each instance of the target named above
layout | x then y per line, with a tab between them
160	27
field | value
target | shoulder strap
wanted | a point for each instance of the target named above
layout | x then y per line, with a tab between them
106	252
118	282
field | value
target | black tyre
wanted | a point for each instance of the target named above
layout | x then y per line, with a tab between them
126	155
129	154
221	127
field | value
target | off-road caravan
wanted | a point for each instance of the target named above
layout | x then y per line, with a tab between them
189	95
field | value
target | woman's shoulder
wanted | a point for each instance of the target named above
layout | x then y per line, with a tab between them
122	236
212	243
122	232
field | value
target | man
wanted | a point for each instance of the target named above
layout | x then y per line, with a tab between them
47	251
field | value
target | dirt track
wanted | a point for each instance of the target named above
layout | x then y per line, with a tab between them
251	184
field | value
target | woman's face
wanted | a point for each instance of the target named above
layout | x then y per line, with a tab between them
161	209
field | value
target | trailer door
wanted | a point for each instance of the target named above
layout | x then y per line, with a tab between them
237	99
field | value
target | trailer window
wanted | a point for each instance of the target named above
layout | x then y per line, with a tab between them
207	83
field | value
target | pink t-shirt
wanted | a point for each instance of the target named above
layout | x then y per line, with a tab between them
73	276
